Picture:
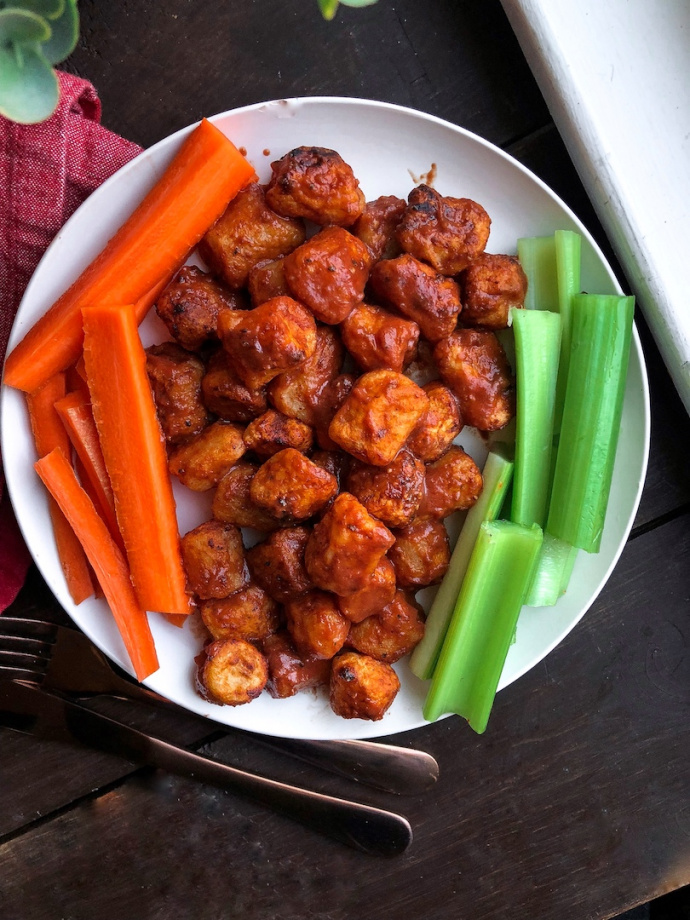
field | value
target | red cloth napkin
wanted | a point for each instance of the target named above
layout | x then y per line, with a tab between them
46	171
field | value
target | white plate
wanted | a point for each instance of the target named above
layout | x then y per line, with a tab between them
390	148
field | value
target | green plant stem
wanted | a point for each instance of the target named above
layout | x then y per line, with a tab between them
537	352
599	353
497	475
537	256
486	614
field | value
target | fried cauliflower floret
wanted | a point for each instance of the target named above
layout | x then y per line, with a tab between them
490	286
248	232
377	339
290	487
277	564
267	340
421	554
448	233
377	224
232	502
201	462
175	376
420	293
226	396
316	625
273	431
452	483
390	634
267	280
439	426
373	597
391	493
328	273
290	670
213	557
362	687
247	614
346	546
297	393
191	304
378	416
475	367
231	672
317	184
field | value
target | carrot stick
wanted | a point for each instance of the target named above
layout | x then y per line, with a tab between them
49	433
135	456
74	410
206	173
147	300
105	557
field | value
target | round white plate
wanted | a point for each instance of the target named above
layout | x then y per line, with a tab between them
391	149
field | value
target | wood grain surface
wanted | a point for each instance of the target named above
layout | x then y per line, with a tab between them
574	803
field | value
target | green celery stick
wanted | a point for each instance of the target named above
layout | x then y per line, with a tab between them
554	567
537	256
568	246
486	614
537	351
599	353
497	473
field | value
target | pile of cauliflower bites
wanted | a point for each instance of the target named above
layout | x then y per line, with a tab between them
317	381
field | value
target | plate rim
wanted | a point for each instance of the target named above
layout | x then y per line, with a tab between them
367	729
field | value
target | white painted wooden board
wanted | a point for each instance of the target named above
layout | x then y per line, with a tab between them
616	77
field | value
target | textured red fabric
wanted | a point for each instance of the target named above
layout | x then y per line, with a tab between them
46	171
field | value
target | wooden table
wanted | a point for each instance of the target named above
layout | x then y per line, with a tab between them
574	804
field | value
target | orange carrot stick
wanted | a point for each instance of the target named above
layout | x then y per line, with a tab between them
49	433
105	557
74	410
135	456
206	173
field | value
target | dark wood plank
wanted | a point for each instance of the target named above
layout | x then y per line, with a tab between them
163	69
567	807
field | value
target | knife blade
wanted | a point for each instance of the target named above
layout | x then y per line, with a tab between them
28	709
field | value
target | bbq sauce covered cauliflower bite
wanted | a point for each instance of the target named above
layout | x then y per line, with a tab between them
448	233
248	232
303	413
317	184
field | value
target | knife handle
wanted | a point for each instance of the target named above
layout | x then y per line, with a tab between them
371	830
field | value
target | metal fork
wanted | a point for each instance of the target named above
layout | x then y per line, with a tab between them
24	707
63	659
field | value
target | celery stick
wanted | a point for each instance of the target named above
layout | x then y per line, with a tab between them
479	636
568	246
537	256
537	350
497	474
556	560
600	348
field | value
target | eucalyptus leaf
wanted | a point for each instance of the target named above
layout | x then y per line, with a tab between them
65	34
22	26
50	9
28	90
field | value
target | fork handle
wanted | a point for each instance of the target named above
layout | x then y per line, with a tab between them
402	771
371	830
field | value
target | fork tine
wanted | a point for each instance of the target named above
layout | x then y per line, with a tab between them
22	661
8	672
35	629
38	648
